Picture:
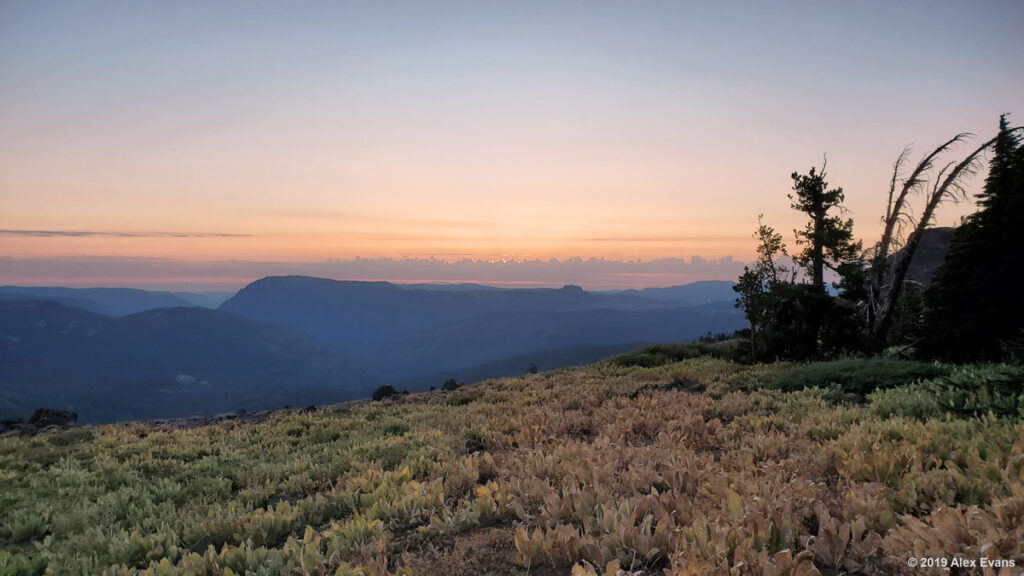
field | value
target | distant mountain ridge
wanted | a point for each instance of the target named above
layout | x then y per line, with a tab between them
294	339
694	294
108	301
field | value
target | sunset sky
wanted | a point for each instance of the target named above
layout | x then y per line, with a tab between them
192	132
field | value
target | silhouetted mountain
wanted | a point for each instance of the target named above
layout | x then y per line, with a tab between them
159	363
80	303
695	294
109	301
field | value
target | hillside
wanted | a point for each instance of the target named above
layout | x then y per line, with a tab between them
158	364
680	468
497	337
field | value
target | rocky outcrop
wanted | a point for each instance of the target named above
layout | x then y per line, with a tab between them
930	254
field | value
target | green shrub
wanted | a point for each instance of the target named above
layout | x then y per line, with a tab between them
968	391
914	401
25	525
385	391
662	354
462	399
395	428
856	375
474	441
978	390
20	565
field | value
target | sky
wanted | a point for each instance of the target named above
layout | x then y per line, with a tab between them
194	136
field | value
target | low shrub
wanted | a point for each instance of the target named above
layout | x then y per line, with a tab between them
662	354
856	375
385	391
968	391
914	401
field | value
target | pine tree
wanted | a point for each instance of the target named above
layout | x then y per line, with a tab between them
755	286
973	310
827	239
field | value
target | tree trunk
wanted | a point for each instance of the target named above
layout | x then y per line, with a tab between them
818	257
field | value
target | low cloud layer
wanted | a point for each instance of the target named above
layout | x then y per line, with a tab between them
114	234
155	273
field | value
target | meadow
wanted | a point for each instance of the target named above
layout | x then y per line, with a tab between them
665	461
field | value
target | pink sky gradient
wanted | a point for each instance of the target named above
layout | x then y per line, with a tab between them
265	133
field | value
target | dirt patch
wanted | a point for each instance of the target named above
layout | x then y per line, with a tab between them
679	383
486	551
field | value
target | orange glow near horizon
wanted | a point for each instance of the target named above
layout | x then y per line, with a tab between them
300	240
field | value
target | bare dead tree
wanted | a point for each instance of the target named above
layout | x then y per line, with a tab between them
887	278
897	215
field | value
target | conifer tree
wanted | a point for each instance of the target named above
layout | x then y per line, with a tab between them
801	320
973	309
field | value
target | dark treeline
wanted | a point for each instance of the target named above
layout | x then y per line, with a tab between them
969	311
